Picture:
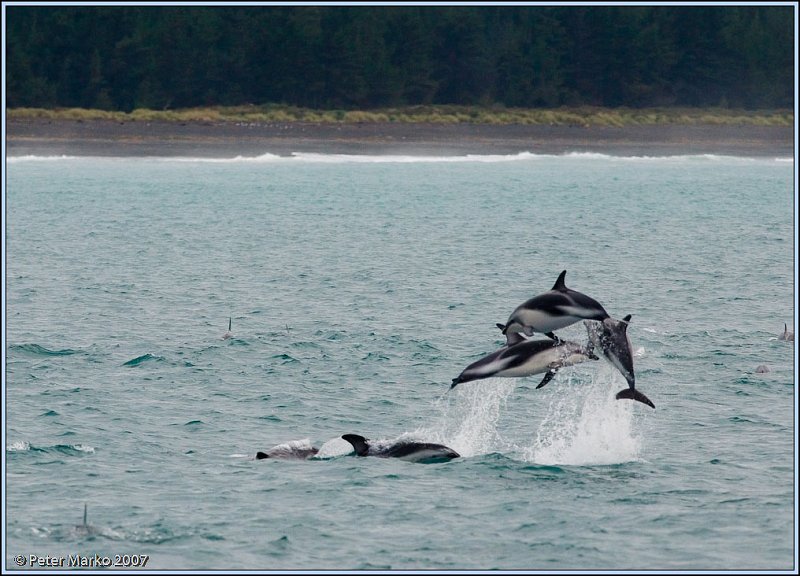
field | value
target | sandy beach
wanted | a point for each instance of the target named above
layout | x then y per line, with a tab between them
228	140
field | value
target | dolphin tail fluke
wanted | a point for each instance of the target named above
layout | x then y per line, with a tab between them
359	443
547	377
631	394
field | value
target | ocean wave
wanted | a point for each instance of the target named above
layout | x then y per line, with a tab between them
331	158
35	158
143	358
68	449
37	350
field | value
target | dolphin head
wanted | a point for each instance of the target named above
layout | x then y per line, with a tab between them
611	337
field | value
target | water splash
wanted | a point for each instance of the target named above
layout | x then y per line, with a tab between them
586	425
581	422
470	414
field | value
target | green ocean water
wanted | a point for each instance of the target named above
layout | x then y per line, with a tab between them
358	287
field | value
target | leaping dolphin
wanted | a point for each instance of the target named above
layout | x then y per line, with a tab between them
522	357
611	337
557	308
422	452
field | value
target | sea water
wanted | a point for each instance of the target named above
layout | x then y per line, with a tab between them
358	287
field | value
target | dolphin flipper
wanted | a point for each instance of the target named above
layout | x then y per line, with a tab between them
547	377
632	394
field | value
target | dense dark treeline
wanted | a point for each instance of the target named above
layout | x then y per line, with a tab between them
127	57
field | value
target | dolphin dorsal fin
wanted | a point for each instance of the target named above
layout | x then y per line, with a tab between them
559	285
627	318
359	443
84	513
229	323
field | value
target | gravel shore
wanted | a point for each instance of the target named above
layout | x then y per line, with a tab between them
228	140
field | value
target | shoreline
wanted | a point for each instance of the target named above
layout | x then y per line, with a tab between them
46	137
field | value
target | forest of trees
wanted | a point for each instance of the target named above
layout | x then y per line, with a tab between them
348	57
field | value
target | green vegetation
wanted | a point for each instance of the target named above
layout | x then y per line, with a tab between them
379	58
585	116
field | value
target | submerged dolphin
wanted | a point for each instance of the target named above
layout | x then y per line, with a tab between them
295	450
405	450
788	336
611	337
86	529
522	357
552	310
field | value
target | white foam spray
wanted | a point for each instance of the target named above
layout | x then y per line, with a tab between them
470	415
585	424
577	421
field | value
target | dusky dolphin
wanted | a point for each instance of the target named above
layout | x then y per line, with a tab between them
411	451
788	336
228	334
611	338
522	357
295	450
557	308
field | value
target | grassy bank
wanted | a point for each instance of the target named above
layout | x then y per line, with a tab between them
426	114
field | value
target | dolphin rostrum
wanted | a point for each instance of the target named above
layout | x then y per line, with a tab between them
411	451
552	310
611	338
522	357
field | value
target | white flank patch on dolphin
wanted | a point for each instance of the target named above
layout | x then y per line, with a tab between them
333	448
585	425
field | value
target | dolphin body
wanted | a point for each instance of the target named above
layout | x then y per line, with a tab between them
611	338
295	450
521	357
421	452
557	308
